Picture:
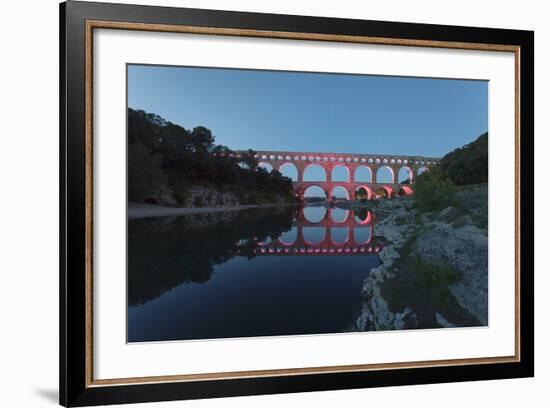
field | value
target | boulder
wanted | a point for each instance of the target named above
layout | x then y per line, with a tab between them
388	255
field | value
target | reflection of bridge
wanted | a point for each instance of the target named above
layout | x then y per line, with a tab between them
353	163
327	245
349	220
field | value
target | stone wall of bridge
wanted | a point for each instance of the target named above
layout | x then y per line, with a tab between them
351	162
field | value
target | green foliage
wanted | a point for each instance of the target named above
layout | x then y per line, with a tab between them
473	200
433	190
201	140
423	286
145	173
401	220
432	275
163	152
468	164
436	278
181	190
249	160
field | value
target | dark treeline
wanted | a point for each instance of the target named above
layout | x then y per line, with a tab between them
468	164
161	153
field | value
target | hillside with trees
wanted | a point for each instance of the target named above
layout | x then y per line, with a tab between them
468	164
461	170
168	164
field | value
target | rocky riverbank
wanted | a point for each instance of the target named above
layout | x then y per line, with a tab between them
433	270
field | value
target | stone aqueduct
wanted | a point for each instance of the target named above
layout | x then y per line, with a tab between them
351	162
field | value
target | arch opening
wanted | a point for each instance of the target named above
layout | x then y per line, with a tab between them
363	216
289	170
362	235
266	166
363	193
314	172
289	237
315	194
421	170
405	175
340	173
339	235
384	192
264	242
339	193
314	215
385	174
363	174
405	191
314	235
339	215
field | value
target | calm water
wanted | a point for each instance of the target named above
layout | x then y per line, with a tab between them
260	272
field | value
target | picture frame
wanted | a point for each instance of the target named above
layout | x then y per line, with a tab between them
78	385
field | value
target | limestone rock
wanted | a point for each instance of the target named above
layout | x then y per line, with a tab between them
448	214
466	250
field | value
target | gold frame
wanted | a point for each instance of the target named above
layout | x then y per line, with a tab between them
100	24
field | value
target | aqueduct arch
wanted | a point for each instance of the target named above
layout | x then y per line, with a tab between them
353	163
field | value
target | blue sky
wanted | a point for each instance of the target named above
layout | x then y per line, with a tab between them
274	110
312	112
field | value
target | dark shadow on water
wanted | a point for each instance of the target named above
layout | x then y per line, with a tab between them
166	252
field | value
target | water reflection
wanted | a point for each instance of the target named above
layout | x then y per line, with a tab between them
339	235
309	235
363	236
339	215
314	215
344	233
247	273
289	237
333	216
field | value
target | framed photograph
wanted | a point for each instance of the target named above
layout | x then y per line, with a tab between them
256	203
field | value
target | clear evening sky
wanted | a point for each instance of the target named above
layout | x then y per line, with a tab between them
273	110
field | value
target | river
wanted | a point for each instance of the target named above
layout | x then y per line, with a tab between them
255	272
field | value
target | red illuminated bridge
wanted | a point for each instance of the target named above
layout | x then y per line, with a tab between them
354	164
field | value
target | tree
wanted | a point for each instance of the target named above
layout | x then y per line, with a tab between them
468	164
249	160
202	140
434	190
158	147
145	173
